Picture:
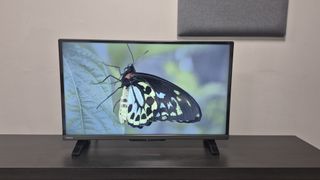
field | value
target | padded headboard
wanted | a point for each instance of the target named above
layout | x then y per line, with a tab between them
232	17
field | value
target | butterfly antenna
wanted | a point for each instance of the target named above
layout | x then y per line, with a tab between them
130	53
144	54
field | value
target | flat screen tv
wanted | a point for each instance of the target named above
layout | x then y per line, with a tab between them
145	89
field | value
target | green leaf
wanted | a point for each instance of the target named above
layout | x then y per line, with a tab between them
82	69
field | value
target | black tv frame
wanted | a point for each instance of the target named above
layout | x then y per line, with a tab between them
145	136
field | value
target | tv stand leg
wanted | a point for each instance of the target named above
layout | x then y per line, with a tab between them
80	146
211	146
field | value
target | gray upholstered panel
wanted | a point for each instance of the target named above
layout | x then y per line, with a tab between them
232	17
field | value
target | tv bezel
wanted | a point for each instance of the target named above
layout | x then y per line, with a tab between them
144	136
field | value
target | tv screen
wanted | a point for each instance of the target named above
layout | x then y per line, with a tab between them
121	89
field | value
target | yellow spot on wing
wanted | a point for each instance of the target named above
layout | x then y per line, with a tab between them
189	103
164	114
178	109
143	84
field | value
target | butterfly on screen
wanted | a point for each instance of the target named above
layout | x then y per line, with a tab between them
147	98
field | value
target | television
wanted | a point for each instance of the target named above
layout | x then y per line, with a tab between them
113	89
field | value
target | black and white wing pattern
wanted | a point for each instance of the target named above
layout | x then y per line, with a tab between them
174	104
151	98
137	104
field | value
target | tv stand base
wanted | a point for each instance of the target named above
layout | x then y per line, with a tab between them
211	146
80	146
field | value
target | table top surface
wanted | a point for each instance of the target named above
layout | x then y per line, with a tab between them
51	151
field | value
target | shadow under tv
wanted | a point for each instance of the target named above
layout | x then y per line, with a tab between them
145	91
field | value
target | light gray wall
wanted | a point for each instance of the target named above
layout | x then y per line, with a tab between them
276	85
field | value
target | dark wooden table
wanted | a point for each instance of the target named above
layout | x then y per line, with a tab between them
241	157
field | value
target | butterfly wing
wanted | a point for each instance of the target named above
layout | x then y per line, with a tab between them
150	98
137	104
173	103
